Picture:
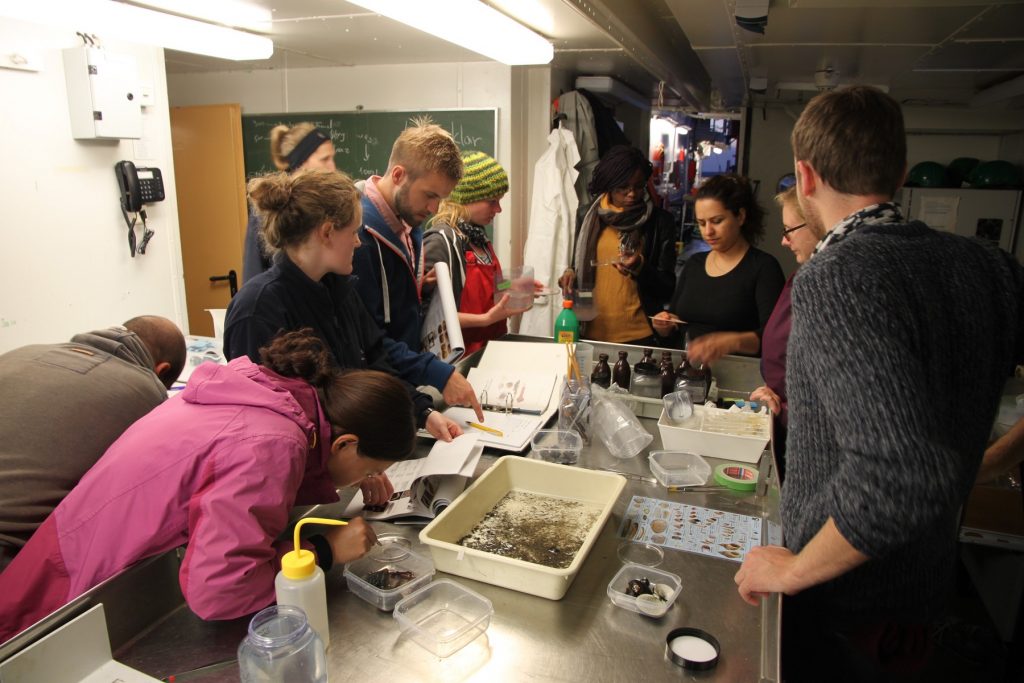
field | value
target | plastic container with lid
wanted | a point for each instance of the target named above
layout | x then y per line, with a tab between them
444	617
301	583
281	646
679	468
368	576
562	446
665	586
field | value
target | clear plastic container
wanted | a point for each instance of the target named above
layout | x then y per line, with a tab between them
557	445
679	468
281	646
617	428
666	584
636	552
646	380
678	406
444	617
368	575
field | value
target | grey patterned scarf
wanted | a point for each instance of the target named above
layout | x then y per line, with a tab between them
626	222
876	214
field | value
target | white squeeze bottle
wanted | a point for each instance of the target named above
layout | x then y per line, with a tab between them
301	583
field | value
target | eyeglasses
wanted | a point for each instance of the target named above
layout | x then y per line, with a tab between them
785	233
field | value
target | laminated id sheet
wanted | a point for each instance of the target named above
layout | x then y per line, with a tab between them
692	528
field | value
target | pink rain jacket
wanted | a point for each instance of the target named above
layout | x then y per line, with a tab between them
217	467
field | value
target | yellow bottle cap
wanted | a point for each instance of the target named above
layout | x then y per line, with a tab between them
299	563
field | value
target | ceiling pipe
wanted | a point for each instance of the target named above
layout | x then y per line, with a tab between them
677	65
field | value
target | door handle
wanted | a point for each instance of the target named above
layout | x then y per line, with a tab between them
231	277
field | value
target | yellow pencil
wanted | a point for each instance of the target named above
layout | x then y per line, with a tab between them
491	430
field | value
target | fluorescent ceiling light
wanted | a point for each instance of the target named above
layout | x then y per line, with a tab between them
227	12
115	20
469	24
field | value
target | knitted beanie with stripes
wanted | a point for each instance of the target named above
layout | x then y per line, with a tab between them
483	178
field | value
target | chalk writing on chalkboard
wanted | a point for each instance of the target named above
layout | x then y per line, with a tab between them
362	140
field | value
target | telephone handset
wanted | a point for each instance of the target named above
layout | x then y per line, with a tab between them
139	186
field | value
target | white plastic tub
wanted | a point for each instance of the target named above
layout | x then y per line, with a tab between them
512	473
696	434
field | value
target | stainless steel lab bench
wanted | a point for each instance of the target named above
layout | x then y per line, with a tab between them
581	637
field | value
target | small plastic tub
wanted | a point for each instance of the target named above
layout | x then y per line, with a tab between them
666	585
393	555
444	617
560	446
679	468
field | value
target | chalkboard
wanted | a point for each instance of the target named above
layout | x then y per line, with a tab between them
363	139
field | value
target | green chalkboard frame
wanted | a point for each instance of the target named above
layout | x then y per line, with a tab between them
363	139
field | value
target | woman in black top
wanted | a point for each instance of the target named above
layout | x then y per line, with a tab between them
726	295
312	218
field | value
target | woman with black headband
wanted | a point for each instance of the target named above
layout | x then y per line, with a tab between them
625	251
292	148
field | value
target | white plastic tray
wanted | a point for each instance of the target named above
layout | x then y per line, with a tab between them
696	437
520	474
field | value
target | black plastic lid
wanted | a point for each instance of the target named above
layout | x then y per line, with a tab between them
693	661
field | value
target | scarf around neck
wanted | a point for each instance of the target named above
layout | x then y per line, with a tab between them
476	234
602	213
876	214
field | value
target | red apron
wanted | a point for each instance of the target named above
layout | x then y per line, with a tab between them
478	297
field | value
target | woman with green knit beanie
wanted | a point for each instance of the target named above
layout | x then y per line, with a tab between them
456	237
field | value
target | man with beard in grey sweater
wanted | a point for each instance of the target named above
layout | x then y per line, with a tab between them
62	405
902	340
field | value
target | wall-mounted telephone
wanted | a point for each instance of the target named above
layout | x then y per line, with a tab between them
139	186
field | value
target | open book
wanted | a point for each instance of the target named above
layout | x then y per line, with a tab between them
425	486
441	333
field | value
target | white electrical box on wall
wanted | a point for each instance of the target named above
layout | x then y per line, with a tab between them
103	94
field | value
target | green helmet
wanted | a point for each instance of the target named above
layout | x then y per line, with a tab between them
959	169
927	174
992	174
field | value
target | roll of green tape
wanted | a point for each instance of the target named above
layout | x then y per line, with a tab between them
736	477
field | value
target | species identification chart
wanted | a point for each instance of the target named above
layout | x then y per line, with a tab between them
691	528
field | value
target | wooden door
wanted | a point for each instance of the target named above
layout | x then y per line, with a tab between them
209	173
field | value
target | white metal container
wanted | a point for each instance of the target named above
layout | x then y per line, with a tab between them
512	473
696	435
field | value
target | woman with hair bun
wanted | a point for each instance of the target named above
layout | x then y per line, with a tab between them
312	219
218	467
292	148
726	295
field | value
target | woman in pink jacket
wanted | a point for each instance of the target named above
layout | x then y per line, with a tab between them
218	467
